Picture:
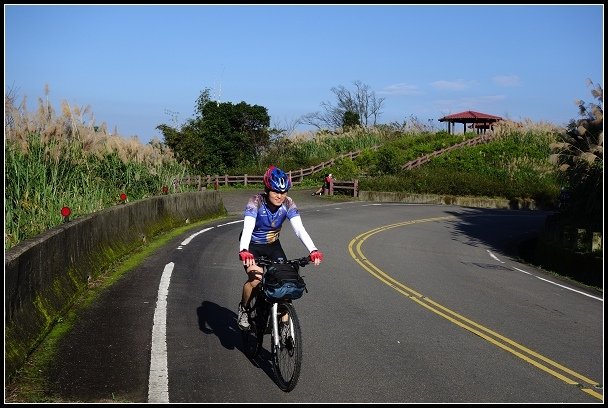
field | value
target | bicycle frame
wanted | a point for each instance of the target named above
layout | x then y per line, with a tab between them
286	348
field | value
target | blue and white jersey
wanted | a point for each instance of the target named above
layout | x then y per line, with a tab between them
268	224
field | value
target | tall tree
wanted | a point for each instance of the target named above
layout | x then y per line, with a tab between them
362	101
222	136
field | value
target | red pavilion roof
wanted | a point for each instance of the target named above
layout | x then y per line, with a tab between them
470	116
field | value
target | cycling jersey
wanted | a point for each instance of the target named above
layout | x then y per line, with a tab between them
267	226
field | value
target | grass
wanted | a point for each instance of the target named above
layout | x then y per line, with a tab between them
56	160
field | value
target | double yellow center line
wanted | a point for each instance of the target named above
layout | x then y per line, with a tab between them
557	370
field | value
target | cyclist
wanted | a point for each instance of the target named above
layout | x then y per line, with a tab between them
263	218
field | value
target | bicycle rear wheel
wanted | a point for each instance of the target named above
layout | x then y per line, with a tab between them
258	320
287	355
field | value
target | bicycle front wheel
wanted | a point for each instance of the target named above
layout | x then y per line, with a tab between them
287	351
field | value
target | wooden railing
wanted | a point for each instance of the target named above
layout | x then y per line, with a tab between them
351	187
225	180
298	175
470	142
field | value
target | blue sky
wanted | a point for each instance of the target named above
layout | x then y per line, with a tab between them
141	66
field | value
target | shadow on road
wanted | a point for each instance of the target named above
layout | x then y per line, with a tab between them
212	319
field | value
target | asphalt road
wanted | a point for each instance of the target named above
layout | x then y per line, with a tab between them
413	303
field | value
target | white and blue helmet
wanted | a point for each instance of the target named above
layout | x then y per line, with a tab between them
277	180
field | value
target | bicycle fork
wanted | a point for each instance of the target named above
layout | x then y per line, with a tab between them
275	324
276	336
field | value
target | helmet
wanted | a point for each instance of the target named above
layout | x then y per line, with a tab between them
276	179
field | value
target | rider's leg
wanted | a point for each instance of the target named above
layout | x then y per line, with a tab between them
248	287
255	275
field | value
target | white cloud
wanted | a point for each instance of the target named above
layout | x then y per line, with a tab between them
400	89
458	85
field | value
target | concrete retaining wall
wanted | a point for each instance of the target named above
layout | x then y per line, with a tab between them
44	275
478	202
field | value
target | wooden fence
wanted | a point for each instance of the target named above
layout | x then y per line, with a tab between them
298	175
351	187
225	180
470	142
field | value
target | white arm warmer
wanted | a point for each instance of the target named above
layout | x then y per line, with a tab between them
248	224
298	228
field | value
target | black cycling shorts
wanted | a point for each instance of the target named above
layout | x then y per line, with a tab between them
273	251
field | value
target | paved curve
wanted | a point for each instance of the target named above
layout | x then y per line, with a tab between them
101	359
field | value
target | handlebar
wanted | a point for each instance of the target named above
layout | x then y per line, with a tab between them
265	261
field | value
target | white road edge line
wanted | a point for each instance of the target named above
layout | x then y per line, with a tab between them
229	223
547	280
191	237
158	380
494	256
563	286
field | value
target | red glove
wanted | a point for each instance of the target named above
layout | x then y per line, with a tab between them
245	255
316	255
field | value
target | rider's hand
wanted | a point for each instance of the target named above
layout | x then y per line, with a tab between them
246	257
316	256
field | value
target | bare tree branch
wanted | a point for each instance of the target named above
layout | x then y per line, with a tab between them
362	101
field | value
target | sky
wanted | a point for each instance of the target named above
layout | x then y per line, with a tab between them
137	67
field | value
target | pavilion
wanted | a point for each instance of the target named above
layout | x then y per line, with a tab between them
480	121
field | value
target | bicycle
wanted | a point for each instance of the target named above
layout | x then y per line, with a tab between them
265	316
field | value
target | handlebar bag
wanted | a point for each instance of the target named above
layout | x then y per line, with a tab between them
282	281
